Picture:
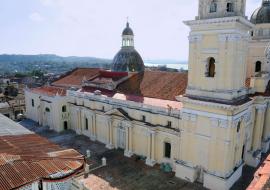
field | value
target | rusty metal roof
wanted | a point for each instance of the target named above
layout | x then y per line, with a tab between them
28	158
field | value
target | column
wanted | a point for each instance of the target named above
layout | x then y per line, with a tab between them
253	157
266	132
153	145
110	136
130	140
258	128
128	151
150	161
126	140
94	131
79	127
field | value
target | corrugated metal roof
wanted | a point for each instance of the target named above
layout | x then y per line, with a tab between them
9	127
28	158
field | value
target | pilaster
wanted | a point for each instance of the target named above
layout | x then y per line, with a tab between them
110	134
128	149
150	161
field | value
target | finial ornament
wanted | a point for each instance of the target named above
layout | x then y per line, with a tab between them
127	22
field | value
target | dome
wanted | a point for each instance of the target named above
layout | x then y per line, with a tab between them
262	14
127	60
127	31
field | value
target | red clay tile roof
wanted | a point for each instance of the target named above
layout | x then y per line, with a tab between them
75	77
50	91
94	182
261	177
152	84
28	158
155	84
145	100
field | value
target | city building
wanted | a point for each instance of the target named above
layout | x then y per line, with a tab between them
31	162
206	124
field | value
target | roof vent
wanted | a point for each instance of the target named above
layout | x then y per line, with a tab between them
97	92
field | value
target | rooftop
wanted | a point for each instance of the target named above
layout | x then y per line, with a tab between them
152	84
139	99
75	77
50	90
8	127
26	157
262	177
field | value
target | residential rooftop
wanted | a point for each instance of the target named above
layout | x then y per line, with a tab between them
26	158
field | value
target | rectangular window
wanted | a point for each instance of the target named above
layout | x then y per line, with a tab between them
229	7
143	118
86	124
167	151
33	103
169	124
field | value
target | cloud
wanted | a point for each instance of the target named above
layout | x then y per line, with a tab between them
47	2
36	17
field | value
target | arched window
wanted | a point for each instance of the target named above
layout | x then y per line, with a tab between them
64	108
258	67
213	7
210	68
229	7
47	109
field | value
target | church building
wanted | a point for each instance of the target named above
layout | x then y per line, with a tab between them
206	124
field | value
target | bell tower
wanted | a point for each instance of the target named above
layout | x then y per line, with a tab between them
221	8
218	44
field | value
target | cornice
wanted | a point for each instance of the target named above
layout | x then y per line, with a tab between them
240	19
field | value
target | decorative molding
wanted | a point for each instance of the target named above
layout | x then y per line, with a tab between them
220	21
247	117
210	51
229	37
261	108
195	38
219	123
189	117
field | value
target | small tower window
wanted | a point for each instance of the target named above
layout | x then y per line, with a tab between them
33	103
64	108
47	109
169	124
210	68
213	7
229	7
258	67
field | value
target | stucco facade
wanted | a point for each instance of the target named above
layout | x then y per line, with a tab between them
218	125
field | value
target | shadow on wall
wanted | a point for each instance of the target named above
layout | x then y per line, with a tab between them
267	91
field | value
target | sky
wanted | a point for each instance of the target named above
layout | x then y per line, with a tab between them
93	27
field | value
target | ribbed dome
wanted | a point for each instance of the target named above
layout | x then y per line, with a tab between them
128	60
127	31
262	14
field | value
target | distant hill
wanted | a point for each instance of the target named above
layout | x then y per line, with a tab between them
4	58
47	62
